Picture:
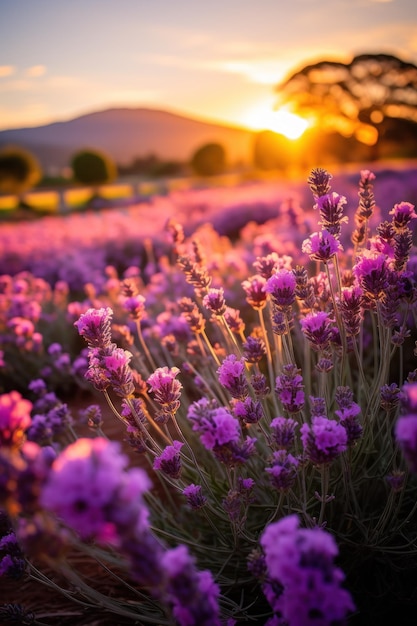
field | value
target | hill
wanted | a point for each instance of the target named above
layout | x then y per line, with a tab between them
126	133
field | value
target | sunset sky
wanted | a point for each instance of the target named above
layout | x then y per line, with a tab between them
216	60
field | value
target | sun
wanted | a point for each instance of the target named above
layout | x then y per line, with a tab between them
282	121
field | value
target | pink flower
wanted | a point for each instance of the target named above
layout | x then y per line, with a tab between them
95	326
14	418
166	389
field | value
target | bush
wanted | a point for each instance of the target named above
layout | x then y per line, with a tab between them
209	160
19	170
92	167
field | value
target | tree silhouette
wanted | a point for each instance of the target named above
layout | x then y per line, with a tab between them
19	170
209	160
92	167
357	98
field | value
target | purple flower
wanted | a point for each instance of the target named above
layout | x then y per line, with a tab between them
321	246
170	460
402	214
373	275
254	349
115	364
324	440
259	385
166	389
319	182
12	562
193	593
215	302
406	436
318	328
95	326
192	315
350	305
330	206
283	471
220	432
232	376
14	419
406	426
89	489
303	585
281	286
222	429
283	430
254	288
348	414
289	387
135	306
249	411
390	396
195	498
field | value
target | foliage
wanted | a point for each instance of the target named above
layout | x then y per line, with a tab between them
269	388
209	160
357	98
19	170
92	167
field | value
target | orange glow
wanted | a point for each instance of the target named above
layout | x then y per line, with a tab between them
282	121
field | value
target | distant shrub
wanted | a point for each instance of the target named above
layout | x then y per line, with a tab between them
209	160
92	167
19	170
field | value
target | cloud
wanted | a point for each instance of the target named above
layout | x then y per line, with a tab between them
35	70
6	70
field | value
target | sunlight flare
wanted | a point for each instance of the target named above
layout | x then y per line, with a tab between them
282	121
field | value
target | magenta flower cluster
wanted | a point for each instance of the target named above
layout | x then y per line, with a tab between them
303	585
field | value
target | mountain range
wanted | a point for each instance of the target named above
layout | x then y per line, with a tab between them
128	133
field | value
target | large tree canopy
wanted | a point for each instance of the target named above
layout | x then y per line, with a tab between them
355	98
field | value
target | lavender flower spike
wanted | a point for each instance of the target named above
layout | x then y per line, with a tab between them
321	246
95	326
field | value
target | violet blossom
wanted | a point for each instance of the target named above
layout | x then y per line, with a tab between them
283	431
318	329
303	585
289	387
169	461
95	326
281	286
166	389
321	246
324	440
283	471
232	376
91	491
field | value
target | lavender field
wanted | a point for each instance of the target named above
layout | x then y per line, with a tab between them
208	409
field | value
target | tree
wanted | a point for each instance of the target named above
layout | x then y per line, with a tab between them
209	160
19	170
92	167
357	98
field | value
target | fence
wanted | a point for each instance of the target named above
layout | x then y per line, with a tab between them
69	199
